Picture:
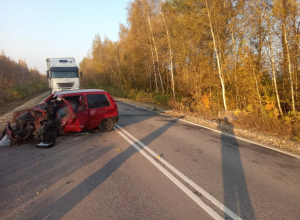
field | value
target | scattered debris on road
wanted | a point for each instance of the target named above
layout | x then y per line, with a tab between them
5	141
49	139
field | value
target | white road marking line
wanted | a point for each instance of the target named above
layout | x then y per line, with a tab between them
185	178
204	206
230	135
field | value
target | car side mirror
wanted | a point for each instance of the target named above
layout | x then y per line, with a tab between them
48	74
81	75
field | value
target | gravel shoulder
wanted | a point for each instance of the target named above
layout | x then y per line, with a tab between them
254	136
6	110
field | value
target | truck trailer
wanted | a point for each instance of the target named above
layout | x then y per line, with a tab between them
62	74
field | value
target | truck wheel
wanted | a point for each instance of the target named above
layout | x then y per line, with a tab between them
106	124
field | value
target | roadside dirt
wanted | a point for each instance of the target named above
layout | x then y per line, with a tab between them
257	137
6	110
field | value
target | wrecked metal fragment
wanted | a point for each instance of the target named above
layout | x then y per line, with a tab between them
5	141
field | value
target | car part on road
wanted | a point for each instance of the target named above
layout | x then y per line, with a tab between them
49	139
4	141
45	145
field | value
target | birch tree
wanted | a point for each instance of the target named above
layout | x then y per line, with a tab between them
217	54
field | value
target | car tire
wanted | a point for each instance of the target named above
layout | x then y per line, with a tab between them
106	124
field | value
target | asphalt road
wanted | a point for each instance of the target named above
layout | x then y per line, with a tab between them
151	167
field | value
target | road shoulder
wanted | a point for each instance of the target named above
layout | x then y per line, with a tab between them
279	144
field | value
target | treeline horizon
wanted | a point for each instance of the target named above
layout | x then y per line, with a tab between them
205	55
17	80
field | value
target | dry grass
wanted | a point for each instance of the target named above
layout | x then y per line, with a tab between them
172	103
22	91
269	125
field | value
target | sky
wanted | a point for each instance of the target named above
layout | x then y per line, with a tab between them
38	29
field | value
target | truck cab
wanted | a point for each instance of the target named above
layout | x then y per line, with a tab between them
63	74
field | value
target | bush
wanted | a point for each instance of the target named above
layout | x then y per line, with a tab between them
115	91
173	103
143	96
132	94
161	99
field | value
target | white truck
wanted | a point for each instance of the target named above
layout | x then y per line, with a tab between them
62	74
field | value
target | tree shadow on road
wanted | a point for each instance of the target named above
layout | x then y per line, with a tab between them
82	190
236	196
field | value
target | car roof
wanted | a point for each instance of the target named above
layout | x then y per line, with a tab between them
79	91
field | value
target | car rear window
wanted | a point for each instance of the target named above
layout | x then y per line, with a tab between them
97	101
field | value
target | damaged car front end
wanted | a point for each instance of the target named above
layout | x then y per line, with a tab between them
32	123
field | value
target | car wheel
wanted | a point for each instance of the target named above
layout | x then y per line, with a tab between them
106	124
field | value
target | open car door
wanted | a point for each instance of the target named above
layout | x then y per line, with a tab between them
79	120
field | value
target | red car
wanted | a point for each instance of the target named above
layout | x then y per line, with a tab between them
65	112
95	108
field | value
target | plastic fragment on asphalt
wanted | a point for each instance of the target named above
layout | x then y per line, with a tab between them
5	141
45	145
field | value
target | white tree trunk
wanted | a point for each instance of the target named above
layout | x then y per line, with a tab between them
217	56
154	68
171	58
156	53
257	90
235	67
274	73
289	66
